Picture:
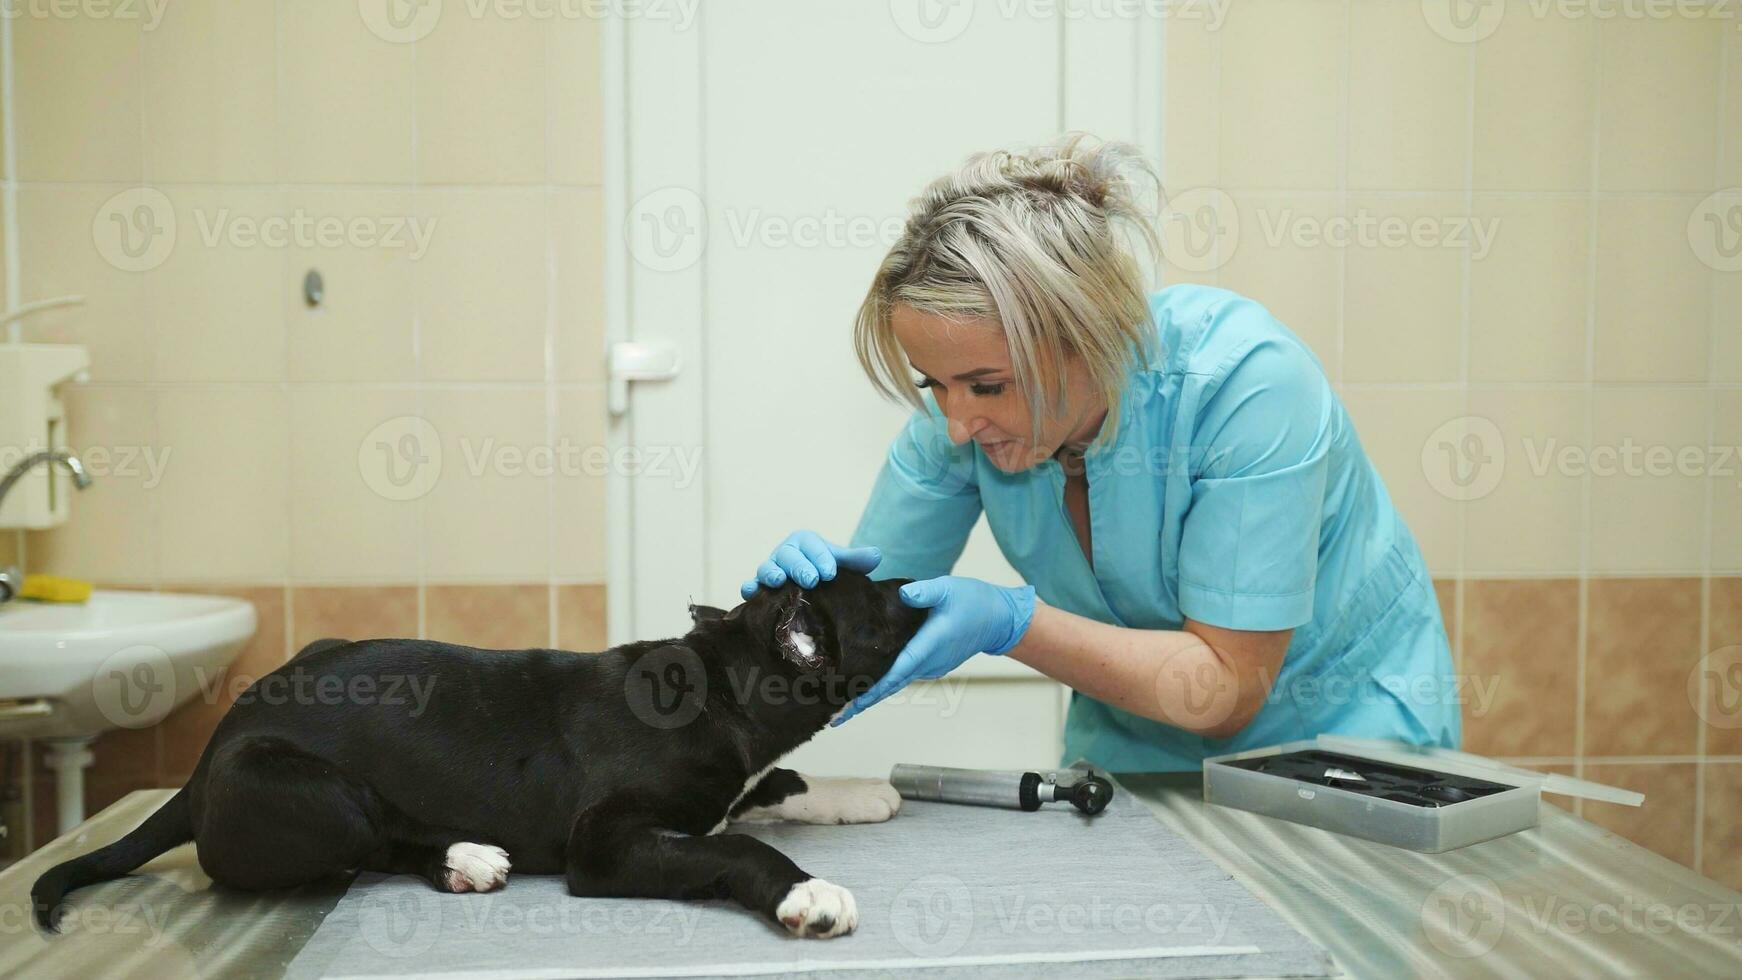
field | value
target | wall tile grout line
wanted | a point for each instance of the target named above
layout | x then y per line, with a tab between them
420	366
13	271
1342	190
1586	518
552	404
383	187
703	266
1467	272
1702	730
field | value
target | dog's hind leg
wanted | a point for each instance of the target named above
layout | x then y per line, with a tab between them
617	849
273	816
270	815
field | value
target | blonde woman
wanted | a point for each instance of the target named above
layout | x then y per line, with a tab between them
1212	562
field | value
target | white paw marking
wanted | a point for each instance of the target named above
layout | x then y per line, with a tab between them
831	801
476	867
818	909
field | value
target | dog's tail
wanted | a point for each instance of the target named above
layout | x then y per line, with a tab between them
169	826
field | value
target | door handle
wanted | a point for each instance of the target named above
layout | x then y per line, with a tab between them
633	360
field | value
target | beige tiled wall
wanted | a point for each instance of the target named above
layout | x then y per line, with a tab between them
1586	606
263	413
484	133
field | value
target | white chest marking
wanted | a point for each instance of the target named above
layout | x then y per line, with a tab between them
749	784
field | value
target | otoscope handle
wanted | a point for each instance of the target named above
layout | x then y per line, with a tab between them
975	787
1011	790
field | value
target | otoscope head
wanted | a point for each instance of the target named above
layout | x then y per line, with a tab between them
1092	795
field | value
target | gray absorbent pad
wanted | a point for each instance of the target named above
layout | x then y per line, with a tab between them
950	891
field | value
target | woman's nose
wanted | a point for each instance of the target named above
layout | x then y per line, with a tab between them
960	431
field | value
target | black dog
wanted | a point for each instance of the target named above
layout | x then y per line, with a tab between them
616	769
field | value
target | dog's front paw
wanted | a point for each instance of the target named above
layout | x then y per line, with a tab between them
832	801
844	801
475	868
818	909
865	800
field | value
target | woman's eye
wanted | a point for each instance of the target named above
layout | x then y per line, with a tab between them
924	383
997	389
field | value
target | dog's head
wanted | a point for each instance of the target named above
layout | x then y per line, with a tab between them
849	626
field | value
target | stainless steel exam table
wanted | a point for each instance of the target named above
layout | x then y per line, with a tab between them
1566	898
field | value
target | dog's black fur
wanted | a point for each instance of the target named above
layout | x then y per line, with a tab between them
563	760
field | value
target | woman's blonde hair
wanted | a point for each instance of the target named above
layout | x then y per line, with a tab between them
1045	244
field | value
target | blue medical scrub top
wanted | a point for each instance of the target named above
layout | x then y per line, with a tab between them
1235	493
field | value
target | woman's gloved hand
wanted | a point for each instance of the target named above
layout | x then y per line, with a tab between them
968	616
805	558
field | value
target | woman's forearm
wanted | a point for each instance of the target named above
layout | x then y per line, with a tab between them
1172	676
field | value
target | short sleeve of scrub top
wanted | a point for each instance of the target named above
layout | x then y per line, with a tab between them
1250	545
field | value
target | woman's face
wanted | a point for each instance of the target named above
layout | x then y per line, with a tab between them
966	366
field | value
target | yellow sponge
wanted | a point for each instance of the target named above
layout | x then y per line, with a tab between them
53	588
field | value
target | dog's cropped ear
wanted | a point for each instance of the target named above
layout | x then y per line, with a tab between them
706	614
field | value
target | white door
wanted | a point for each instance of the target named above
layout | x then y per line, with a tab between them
760	158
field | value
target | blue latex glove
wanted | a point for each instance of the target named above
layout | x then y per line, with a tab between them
805	558
968	616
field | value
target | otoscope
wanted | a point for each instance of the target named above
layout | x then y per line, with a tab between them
1080	788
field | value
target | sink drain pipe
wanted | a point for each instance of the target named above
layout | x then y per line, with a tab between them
69	758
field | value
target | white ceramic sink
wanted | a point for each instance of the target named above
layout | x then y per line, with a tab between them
119	660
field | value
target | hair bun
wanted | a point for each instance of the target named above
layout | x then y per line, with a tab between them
1107	176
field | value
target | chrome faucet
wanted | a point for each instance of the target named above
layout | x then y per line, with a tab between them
12	578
